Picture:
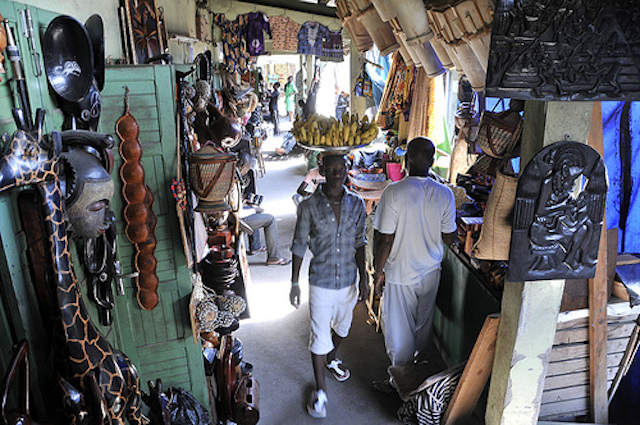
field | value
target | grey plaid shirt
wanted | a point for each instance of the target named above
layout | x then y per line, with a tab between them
332	244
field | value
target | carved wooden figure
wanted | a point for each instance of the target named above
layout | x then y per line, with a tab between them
82	354
558	214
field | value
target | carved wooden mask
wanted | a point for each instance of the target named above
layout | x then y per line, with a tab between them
558	214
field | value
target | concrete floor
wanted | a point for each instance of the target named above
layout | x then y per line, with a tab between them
275	338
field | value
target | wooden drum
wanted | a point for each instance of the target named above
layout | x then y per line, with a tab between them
380	31
358	33
411	16
464	29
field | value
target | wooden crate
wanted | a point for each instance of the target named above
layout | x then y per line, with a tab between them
566	387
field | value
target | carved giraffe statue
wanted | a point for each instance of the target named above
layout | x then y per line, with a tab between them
84	358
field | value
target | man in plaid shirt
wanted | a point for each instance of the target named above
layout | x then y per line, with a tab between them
332	224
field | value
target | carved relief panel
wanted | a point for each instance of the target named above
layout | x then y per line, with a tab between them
558	214
561	50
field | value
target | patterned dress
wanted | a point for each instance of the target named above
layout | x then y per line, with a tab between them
234	45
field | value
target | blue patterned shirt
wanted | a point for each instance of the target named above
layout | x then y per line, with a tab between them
332	244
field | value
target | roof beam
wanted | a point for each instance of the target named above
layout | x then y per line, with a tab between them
298	6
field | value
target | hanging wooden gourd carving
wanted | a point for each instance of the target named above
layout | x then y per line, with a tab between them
138	213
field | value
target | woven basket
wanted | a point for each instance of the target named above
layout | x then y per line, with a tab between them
499	133
212	174
495	237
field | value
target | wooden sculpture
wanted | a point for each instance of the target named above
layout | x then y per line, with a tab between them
82	353
559	50
138	213
558	214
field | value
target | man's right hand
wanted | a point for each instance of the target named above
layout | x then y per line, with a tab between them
294	296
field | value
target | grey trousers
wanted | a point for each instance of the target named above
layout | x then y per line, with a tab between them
407	316
268	223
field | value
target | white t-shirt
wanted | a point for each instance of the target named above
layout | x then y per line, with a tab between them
417	210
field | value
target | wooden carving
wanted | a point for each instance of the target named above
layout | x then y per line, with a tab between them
82	354
560	50
558	214
144	29
138	212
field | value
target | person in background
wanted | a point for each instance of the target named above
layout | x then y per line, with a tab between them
342	104
273	107
253	217
290	91
332	223
312	179
412	220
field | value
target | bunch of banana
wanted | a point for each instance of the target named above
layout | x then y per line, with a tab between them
329	132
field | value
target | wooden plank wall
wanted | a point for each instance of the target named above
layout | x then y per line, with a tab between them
566	388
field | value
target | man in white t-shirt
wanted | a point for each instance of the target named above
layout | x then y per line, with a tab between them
412	220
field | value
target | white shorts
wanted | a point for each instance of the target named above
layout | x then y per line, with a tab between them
329	309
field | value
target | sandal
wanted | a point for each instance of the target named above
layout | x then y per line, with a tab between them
317	406
261	249
383	386
341	374
279	262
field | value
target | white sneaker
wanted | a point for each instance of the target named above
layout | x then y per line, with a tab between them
341	374
317	406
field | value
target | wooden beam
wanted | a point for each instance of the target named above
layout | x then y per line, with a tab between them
475	375
598	297
530	309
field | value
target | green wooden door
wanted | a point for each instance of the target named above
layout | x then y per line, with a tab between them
159	341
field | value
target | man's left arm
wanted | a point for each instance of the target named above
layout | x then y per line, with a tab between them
361	242
449	228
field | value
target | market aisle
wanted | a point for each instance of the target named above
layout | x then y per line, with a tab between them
275	338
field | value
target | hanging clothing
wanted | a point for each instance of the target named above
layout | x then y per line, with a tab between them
393	96
257	24
284	33
234	45
311	38
332	49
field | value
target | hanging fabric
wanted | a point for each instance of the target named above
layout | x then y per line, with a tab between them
284	33
311	37
332	49
363	86
234	45
419	115
255	27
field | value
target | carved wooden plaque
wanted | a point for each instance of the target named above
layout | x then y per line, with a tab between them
565	50
558	214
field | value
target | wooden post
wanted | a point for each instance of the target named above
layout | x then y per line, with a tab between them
598	295
529	312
